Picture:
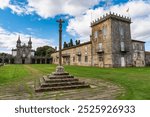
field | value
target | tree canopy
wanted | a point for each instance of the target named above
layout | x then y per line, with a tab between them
44	51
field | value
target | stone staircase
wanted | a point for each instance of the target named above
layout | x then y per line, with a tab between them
59	81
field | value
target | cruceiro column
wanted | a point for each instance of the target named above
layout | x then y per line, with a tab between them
59	80
60	68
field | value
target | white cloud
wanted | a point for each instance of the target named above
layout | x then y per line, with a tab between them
4	3
139	11
51	8
8	40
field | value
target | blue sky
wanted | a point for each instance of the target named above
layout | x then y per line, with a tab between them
37	18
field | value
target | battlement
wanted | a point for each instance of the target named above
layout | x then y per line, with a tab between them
113	16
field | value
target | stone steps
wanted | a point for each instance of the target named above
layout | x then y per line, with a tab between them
60	73
61	84
59	80
47	80
60	76
41	89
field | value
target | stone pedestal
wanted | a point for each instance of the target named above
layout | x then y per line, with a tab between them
59	80
59	69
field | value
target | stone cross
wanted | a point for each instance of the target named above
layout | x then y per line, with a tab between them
60	21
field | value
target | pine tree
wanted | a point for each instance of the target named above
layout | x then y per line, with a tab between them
71	43
76	42
65	45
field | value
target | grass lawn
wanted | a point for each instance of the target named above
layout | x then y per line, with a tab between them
136	81
11	73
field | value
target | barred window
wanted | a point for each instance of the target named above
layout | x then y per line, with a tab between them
79	58
86	58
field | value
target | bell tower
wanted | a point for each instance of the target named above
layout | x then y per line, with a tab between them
30	43
18	42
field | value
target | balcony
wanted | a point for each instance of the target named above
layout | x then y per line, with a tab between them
99	51
78	53
66	55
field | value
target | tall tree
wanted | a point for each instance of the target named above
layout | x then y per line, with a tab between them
65	45
71	43
44	51
77	42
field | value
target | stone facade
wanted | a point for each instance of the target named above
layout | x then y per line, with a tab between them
78	55
23	53
138	53
147	58
110	45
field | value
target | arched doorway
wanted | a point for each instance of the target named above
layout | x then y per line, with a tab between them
23	61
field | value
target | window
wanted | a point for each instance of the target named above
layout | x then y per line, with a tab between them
104	30
139	55
122	46
86	58
138	47
133	46
141	47
86	49
96	34
121	32
100	46
79	58
74	59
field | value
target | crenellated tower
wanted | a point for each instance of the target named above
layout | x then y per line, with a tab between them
111	41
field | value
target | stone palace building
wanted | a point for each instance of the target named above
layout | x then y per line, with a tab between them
110	45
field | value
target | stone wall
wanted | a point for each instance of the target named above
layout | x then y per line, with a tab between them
121	43
147	58
138	53
78	55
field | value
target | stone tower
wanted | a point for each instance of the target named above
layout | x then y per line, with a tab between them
111	41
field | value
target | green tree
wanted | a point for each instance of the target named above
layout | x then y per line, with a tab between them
44	51
65	45
71	43
77	42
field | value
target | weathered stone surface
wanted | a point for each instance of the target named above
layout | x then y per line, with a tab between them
59	80
110	45
100	89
